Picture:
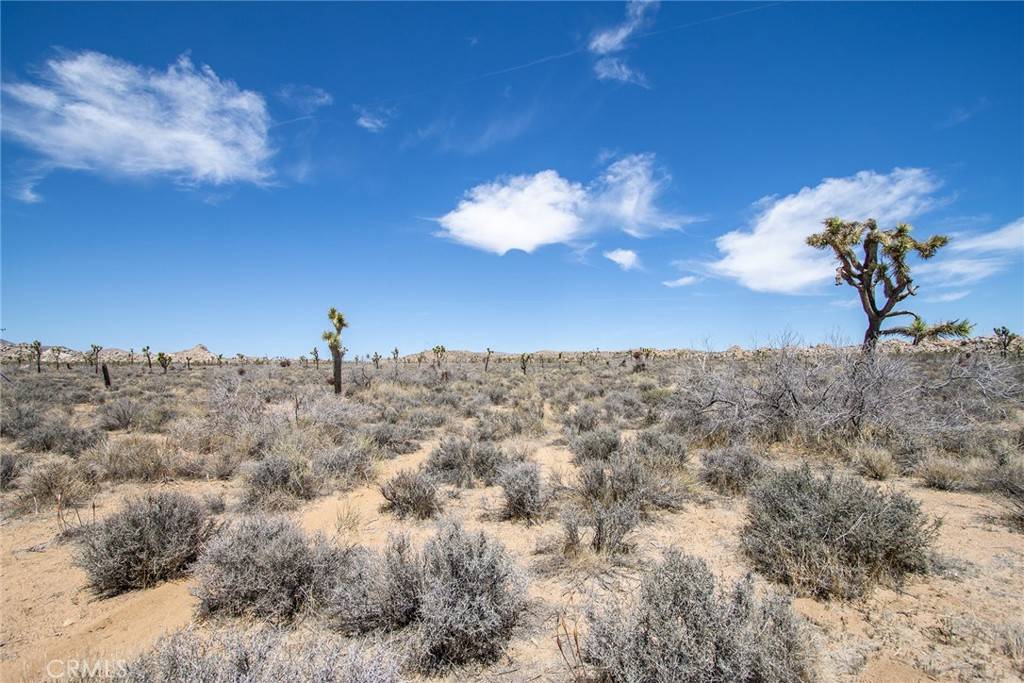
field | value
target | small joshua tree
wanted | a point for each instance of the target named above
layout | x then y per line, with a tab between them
333	339
220	359
94	356
56	356
883	264
439	353
394	359
131	356
487	358
524	360
376	360
919	330
240	357
1004	338
164	360
316	357
149	357
188	362
37	348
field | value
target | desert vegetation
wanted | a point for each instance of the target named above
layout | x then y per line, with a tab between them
661	515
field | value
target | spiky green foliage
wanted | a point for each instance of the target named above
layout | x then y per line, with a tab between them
1004	338
37	348
883	266
919	331
333	339
164	360
149	357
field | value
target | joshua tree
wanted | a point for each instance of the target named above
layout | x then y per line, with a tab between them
149	357
919	330
884	264
56	356
188	363
487	358
524	360
316	357
1004	338
37	348
164	360
394	359
131	356
94	356
376	360
220	359
333	339
439	353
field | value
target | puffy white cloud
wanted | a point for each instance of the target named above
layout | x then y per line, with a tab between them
89	111
1010	237
771	255
529	211
373	119
614	39
684	281
626	259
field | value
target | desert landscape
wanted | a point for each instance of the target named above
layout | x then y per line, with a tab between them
831	514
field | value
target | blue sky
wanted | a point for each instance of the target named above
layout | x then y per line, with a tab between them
520	176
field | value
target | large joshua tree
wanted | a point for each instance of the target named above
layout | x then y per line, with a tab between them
37	348
333	339
94	356
881	274
149	357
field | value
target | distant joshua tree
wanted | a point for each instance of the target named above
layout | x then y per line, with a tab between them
220	359
164	360
883	264
333	339
149	357
439	353
240	357
316	357
1004	338
37	348
131	356
524	360
376	360
487	358
188	363
56	356
94	356
394	360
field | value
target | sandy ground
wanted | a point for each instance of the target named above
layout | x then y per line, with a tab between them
941	627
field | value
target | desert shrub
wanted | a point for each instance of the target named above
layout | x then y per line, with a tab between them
681	627
834	535
277	481
427	418
1006	479
874	462
379	591
19	417
121	413
461	461
58	436
130	458
411	493
261	567
597	444
336	417
942	473
54	480
731	470
351	464
11	465
474	597
659	449
609	524
151	539
584	418
499	425
154	417
194	434
627	480
520	483
262	656
392	438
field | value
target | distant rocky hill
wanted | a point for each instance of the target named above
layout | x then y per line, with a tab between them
11	351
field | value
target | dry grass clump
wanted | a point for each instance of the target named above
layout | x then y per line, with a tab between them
942	472
732	470
521	484
681	627
834	536
130	458
262	656
875	463
54	480
279	482
53	434
411	493
150	540
597	444
462	461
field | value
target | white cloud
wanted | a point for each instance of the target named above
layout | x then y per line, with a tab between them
615	69
626	259
1010	237
529	211
960	271
305	98
89	111
684	281
614	39
947	297
373	119
772	255
963	114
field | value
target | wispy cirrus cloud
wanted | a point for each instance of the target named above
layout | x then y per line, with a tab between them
771	254
305	98
88	111
978	256
963	114
609	41
529	211
946	297
684	281
373	119
626	259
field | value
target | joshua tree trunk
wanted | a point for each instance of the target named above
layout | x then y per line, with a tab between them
106	376
336	358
